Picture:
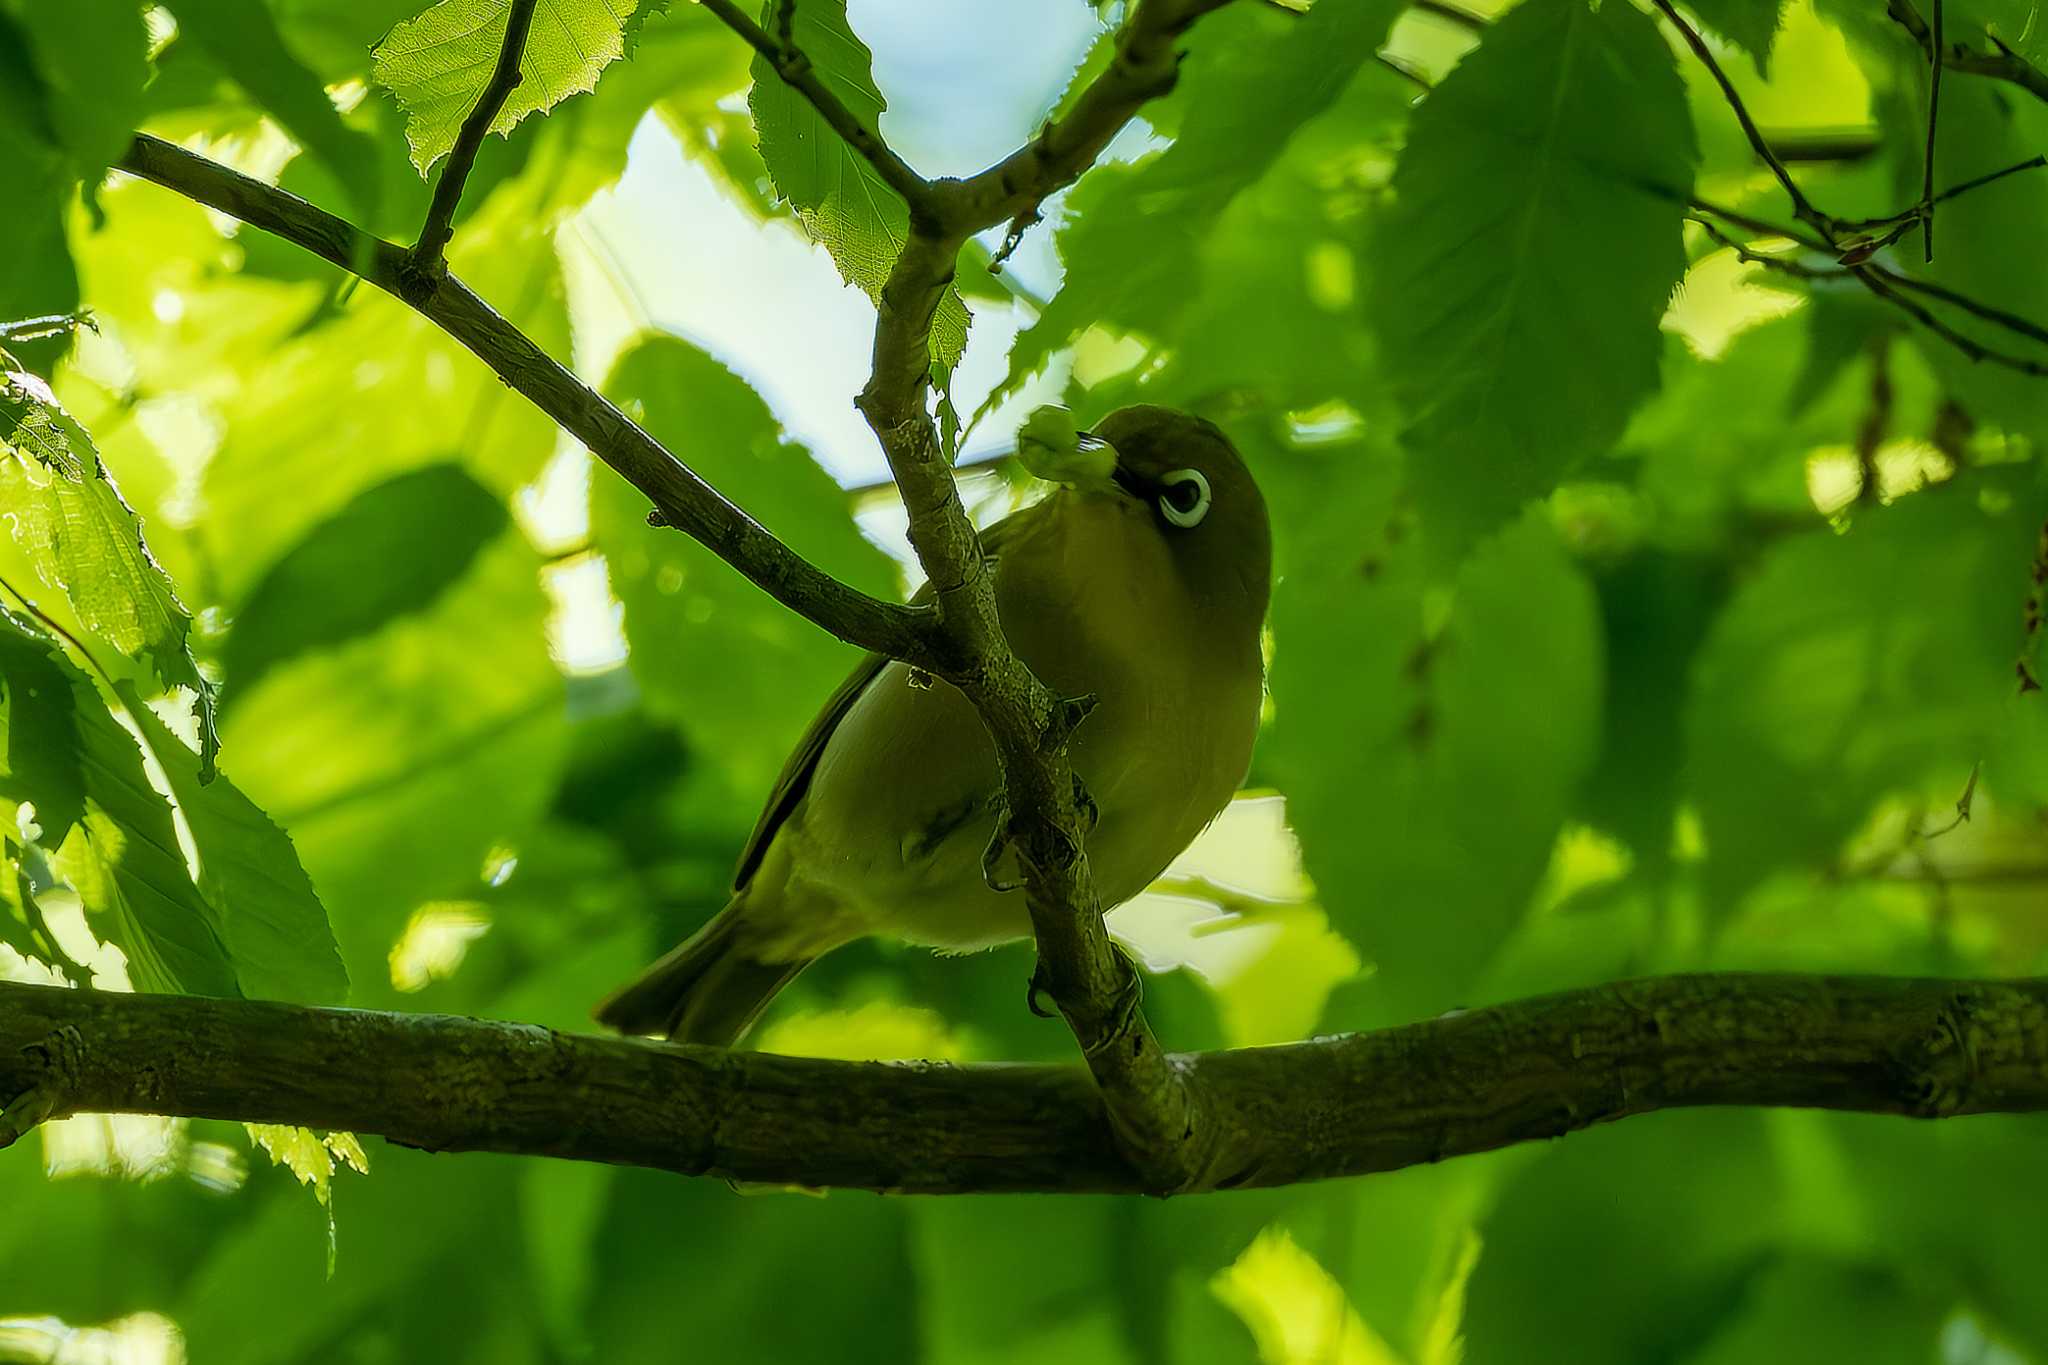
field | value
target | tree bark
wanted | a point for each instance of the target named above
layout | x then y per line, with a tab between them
1468	1082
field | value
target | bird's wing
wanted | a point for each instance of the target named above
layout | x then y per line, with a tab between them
795	778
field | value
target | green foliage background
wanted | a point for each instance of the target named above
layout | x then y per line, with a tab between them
1639	610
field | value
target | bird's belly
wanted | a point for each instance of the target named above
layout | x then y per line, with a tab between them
898	845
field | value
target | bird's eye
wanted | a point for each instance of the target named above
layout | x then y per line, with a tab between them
1184	497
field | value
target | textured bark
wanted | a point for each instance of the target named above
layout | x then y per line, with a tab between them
1468	1082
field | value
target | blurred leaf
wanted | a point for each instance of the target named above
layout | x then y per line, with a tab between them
398	547
272	922
1850	667
1428	766
438	62
1751	25
837	195
85	541
400	759
1602	1252
93	57
243	37
37	277
689	616
309	420
121	854
1519	341
44	760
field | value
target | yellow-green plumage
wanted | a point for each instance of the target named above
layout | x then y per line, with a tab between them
880	819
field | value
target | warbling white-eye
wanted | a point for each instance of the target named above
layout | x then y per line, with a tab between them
1143	582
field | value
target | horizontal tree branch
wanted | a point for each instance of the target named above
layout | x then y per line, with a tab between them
681	499
1470	1081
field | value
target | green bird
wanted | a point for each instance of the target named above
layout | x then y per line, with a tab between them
1144	583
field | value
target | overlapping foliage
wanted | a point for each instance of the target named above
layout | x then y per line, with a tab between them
1640	608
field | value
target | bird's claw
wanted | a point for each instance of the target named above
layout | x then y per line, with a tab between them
1084	804
1039	986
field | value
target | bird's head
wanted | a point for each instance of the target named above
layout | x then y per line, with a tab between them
1201	498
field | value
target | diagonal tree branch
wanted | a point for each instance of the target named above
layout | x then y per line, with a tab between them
680	498
1802	207
1471	1081
425	262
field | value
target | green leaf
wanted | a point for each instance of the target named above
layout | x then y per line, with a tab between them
1429	766
1525	265
438	63
275	928
1134	238
85	541
243	37
688	615
1849	667
397	547
1751	25
121	853
36	272
93	56
400	759
1601	1253
837	196
43	763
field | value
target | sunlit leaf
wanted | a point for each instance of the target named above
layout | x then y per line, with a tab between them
119	851
438	62
84	540
269	916
843	203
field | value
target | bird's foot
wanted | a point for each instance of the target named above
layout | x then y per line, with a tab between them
1001	867
1040	986
1067	715
1130	993
1091	814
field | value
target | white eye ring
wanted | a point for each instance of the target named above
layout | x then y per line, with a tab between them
1184	516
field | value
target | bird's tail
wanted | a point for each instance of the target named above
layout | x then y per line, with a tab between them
709	990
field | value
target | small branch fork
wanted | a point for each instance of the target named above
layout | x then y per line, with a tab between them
1471	1081
424	264
1853	244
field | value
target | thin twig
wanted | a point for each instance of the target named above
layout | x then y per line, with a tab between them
425	261
1978	182
49	325
788	61
1802	207
1883	284
1934	66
